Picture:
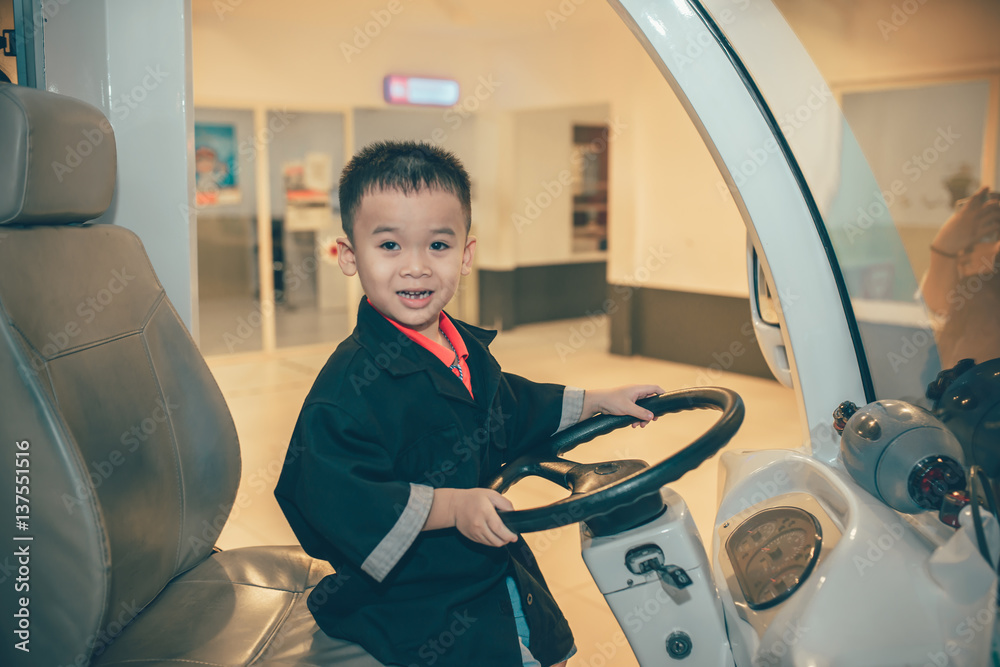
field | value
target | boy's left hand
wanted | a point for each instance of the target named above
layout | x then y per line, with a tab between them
620	401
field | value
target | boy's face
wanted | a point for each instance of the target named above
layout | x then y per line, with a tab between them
409	252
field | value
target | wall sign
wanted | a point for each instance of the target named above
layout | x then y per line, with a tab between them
420	91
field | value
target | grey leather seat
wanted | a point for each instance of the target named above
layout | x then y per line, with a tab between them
133	460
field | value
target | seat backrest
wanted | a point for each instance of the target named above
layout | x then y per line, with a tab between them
125	452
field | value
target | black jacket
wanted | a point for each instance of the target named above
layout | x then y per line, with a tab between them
384	420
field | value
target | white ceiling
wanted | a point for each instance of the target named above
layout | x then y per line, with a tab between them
487	18
511	17
959	31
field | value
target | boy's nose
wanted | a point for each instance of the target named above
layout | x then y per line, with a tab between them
416	265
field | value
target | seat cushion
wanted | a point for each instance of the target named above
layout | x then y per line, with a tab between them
241	607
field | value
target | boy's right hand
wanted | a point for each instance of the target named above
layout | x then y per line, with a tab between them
474	513
975	217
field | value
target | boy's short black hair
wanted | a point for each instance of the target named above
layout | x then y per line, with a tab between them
406	166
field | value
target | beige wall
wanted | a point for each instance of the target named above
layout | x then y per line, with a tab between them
541	208
522	58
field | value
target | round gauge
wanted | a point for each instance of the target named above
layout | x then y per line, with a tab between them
773	552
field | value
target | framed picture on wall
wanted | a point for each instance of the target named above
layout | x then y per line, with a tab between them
216	172
590	188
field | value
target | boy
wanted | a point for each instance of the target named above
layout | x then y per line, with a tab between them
410	415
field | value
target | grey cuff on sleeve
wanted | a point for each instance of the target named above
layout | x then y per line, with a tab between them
572	407
398	540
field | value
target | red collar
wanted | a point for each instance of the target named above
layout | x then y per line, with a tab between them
443	352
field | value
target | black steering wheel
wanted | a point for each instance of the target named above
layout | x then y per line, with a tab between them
616	495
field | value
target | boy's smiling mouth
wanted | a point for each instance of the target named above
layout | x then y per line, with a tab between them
415	295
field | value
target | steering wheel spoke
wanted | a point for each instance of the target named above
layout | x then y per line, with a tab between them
616	495
555	470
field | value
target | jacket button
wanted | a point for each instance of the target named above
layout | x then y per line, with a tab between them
528	599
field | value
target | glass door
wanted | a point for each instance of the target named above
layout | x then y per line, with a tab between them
230	310
305	158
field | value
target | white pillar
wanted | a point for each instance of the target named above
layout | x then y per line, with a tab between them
133	61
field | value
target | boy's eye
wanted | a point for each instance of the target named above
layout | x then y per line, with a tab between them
389	245
439	245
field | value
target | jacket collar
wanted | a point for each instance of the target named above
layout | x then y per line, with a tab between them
394	352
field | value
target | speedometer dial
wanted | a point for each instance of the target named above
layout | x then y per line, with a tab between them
773	552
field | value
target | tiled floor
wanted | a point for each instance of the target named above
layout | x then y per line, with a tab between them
265	392
232	325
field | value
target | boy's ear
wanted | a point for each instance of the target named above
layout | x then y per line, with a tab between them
468	254
345	257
